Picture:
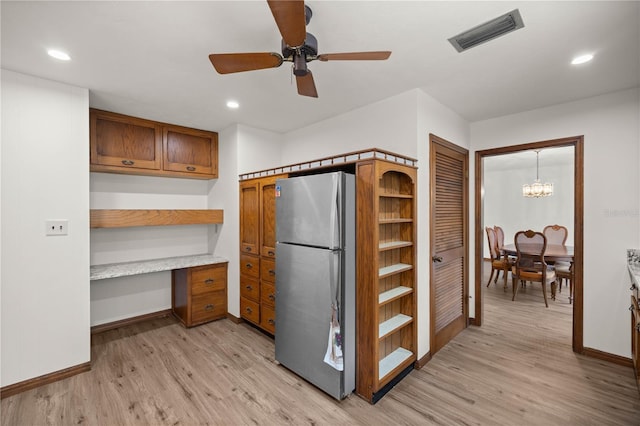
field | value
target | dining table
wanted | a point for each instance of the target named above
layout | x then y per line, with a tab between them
552	253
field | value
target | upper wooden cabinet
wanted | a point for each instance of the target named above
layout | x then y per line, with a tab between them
130	145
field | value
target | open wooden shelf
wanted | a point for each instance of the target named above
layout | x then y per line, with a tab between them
129	218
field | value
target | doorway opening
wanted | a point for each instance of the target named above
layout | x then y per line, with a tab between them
578	213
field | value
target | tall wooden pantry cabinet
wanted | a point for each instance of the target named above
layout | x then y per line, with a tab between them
258	251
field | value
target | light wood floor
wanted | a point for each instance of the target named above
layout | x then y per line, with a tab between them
517	369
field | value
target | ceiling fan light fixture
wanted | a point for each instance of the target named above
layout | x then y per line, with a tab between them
299	65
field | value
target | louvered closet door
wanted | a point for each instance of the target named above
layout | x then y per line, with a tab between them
449	222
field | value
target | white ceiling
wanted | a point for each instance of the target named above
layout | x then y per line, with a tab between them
150	59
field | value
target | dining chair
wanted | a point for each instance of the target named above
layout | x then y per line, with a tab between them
498	262
530	264
557	234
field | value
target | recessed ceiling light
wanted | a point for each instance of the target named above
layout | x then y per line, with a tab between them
581	59
232	104
58	54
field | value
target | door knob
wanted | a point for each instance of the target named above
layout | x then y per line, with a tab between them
437	258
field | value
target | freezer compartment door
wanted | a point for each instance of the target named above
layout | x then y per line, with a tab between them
307	281
309	210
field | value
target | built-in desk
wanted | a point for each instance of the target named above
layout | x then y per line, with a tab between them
123	269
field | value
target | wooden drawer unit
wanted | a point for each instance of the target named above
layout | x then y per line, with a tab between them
268	294
250	288
249	265
250	310
268	270
199	294
268	319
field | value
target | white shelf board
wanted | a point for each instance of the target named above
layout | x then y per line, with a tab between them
393	269
393	324
394	244
391	361
393	294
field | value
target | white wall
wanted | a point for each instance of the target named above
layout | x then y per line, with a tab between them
611	128
45	279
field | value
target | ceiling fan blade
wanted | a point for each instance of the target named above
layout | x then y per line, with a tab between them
306	85
226	63
355	56
290	18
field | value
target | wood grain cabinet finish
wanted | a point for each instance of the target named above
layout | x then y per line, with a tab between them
199	294
635	338
124	144
258	251
386	342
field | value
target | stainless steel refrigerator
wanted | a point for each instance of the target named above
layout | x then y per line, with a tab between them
315	279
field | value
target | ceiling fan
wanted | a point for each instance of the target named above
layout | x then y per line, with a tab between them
298	47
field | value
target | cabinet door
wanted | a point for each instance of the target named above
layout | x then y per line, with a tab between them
249	217
268	217
190	151
123	141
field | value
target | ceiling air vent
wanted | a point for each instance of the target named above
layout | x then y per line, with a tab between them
488	31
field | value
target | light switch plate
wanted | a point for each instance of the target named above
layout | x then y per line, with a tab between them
56	227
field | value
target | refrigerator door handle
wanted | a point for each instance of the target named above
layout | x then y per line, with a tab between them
335	220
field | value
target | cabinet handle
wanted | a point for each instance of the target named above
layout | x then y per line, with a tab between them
249	310
272	272
208	281
271	321
191	168
272	297
271	253
247	249
249	288
208	307
248	266
128	162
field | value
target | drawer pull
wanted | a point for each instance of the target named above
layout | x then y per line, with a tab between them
249	287
208	307
271	253
208	281
633	286
249	310
248	266
247	249
272	297
271	321
191	168
128	162
272	272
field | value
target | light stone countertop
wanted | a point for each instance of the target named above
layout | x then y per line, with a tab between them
114	270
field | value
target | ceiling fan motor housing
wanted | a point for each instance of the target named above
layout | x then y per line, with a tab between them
301	55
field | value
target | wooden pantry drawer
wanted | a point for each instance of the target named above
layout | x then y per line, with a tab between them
208	306
250	310
250	288
268	294
208	278
268	270
268	319
249	265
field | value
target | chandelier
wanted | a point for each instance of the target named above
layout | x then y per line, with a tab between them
537	189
